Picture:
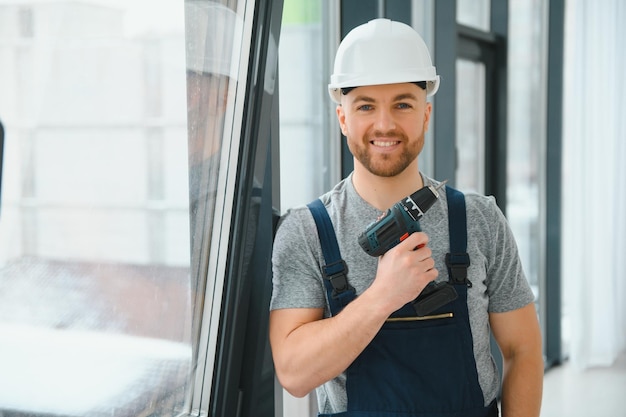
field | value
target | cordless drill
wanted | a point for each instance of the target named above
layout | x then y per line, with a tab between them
395	225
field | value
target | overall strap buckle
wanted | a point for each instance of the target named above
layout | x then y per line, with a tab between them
458	259
337	274
457	264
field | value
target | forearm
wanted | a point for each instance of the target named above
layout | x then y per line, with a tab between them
317	351
519	336
522	385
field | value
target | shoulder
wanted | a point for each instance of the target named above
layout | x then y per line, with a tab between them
293	225
296	227
300	217
483	211
486	223
481	205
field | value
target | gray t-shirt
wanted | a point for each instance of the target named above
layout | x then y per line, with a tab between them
498	282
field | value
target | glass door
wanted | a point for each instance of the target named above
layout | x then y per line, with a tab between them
471	120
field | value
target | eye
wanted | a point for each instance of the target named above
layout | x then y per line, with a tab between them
403	106
364	107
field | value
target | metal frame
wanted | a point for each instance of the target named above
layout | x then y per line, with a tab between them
222	220
234	373
332	33
243	378
554	150
444	115
452	41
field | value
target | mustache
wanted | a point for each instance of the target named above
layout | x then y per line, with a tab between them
393	134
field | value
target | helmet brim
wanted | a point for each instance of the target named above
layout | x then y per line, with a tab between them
334	90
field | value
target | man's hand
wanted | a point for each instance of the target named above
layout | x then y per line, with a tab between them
404	271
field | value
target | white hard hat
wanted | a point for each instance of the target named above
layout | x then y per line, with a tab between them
382	51
213	38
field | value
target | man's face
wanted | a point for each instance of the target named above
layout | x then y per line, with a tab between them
385	126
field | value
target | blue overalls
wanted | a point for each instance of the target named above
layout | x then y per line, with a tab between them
415	366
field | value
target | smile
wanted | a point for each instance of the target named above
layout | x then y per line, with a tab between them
384	144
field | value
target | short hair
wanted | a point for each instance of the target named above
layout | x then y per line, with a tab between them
420	84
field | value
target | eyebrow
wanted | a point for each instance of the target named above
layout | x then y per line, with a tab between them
399	97
405	96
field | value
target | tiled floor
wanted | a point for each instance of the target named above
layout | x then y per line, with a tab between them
598	392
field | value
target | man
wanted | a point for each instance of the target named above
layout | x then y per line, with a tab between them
370	357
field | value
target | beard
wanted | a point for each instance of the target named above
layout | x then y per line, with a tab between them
382	164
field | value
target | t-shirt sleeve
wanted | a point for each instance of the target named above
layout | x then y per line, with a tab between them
507	285
296	269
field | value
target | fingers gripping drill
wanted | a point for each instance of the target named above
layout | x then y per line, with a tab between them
396	224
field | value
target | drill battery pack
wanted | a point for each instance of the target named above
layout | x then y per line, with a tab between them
434	296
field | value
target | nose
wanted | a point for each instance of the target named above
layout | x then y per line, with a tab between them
384	120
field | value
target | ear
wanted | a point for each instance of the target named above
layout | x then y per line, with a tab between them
341	117
427	111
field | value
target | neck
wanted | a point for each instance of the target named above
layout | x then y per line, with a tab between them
384	192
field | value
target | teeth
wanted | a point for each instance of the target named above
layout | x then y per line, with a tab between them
384	144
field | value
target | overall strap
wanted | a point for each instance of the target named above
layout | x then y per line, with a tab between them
339	291
457	260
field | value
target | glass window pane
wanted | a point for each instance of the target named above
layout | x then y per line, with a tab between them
474	13
526	132
214	38
95	314
470	125
211	80
306	111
